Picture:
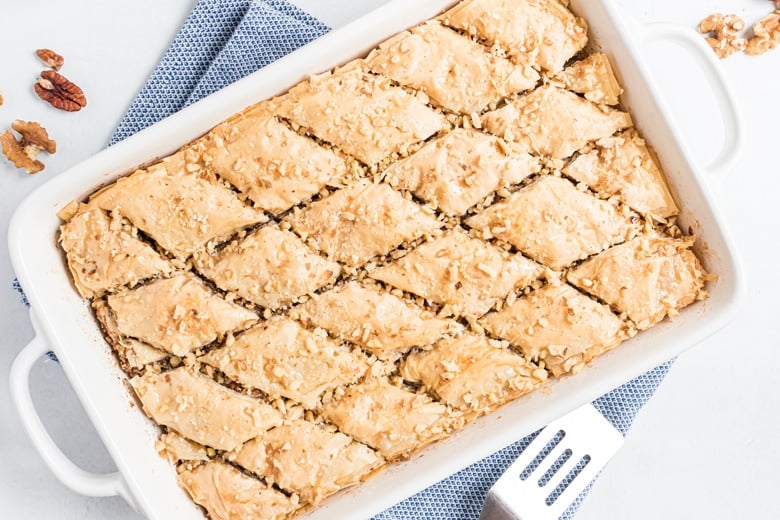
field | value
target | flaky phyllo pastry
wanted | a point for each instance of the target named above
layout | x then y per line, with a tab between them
336	277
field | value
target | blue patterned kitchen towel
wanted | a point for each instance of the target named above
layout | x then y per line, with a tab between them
224	40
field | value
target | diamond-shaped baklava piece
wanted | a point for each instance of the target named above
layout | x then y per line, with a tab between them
269	163
391	420
175	448
371	317
228	494
473	372
360	112
281	358
463	273
177	314
648	278
555	223
543	33
559	326
457	73
201	409
593	78
132	353
178	205
271	268
104	253
622	165
311	460
359	222
553	121
460	169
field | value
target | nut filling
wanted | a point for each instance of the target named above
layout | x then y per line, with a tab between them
337	277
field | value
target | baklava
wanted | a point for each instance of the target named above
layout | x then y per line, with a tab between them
339	276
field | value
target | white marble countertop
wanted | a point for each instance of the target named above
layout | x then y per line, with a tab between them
706	446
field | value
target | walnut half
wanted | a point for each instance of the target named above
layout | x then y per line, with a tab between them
24	151
766	33
724	33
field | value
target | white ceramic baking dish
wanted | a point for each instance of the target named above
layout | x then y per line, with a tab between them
64	324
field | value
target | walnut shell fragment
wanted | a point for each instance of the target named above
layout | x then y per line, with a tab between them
50	58
24	151
60	92
766	34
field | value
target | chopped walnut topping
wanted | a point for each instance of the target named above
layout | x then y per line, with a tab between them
24	151
453	70
724	31
308	459
554	121
392	420
225	492
593	78
332	279
766	34
1	99
50	58
543	33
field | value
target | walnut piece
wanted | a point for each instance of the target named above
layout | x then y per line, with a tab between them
50	58
60	92
1	99
24	152
766	34
723	33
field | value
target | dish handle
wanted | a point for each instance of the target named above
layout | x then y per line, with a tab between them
733	125
74	477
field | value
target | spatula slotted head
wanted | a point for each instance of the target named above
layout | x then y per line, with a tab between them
554	469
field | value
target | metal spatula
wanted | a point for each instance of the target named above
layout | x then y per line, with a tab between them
554	469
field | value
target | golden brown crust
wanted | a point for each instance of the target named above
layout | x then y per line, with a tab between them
105	253
553	121
175	449
555	223
227	494
593	78
623	165
362	221
308	459
359	112
455	72
558	326
465	274
457	171
132	353
393	421
473	372
281	358
269	163
543	33
648	278
201	409
177	314
153	199
271	268
371	317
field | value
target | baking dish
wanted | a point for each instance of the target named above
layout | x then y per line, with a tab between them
64	323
